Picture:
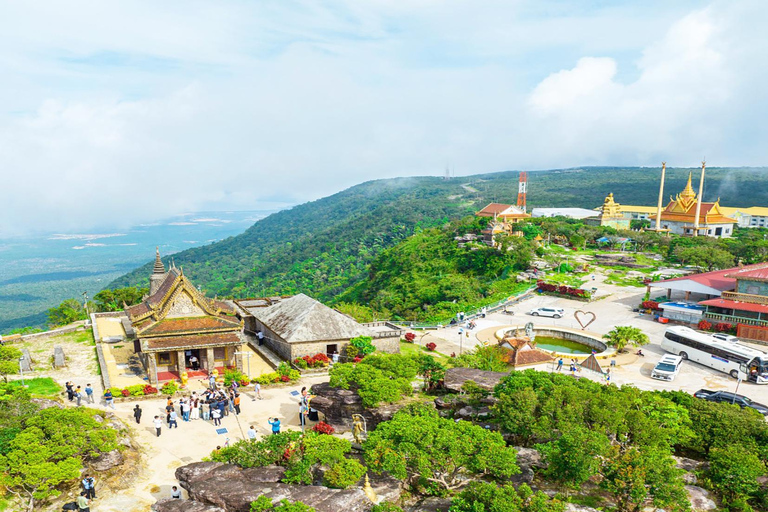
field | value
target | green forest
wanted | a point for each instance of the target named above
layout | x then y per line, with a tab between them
324	247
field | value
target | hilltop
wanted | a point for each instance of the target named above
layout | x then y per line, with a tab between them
324	247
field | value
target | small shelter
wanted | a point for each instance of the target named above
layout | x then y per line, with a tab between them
592	364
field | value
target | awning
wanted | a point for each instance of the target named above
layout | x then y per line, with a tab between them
737	305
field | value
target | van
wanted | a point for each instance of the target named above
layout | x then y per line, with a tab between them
667	368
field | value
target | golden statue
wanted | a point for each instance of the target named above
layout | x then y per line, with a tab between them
184	378
368	490
358	428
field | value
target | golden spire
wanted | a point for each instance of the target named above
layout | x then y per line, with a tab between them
688	190
368	490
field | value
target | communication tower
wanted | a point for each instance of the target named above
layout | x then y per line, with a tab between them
522	190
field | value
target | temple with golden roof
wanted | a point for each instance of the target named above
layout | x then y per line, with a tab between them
687	214
179	329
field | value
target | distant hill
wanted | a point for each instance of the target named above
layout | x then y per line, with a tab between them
324	247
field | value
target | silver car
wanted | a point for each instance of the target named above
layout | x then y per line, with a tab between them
551	312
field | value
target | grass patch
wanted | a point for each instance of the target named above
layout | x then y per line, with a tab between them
587	500
40	386
413	349
568	279
622	279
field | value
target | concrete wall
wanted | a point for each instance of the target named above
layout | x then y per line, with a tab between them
578	337
753	287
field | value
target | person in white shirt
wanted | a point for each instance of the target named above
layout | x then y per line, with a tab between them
175	493
158	425
252	433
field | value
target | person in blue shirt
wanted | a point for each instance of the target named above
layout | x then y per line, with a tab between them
89	487
275	425
89	393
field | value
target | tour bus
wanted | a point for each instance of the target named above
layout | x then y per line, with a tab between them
727	357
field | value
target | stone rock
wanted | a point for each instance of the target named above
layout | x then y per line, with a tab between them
107	460
524	477
58	357
690	478
432	505
456	377
26	360
46	403
699	498
267	474
441	404
529	458
572	507
688	464
338	405
171	505
387	488
98	418
464	413
232	490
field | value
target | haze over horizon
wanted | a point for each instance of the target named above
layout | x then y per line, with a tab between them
118	114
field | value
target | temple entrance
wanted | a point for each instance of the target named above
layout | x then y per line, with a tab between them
193	361
331	349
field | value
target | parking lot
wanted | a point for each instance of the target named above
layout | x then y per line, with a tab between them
610	311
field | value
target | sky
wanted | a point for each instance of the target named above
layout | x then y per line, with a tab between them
117	113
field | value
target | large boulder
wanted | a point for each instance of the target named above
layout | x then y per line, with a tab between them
107	461
432	505
699	498
171	505
572	507
232	489
530	458
338	405
456	377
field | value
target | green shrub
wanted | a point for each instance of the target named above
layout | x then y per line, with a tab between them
116	392
283	369
364	345
386	507
234	375
267	378
264	504
136	389
169	388
344	473
352	351
301	363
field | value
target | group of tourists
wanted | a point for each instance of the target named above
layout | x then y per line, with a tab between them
76	393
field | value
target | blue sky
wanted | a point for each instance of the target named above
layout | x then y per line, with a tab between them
123	113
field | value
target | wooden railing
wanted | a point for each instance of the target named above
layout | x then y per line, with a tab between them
746	297
732	319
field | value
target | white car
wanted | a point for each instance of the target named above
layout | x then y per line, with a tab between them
551	312
667	368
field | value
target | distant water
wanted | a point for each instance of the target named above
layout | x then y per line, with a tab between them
37	273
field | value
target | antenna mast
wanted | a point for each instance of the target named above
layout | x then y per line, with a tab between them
522	190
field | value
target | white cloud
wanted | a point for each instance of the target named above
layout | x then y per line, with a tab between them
115	114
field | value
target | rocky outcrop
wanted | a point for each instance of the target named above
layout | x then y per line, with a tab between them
232	489
338	405
456	377
107	461
690	466
699	498
171	505
432	505
572	507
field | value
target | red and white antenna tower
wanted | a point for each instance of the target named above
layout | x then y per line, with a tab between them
521	190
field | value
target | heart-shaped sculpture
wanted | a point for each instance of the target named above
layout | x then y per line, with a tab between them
580	317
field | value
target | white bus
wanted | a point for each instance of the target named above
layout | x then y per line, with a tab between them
724	356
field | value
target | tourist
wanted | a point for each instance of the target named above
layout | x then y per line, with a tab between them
303	408
252	433
78	395
158	425
70	391
235	385
607	376
89	487
231	402
173	420
212	382
560	364
168	409
82	503
175	493
613	362
195	363
483	312
109	400
236	403
89	393
185	409
261	337
275	425
137	414
195	414
216	415
335	357
222	404
257	390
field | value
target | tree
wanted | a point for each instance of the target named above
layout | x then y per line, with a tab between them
483	357
117	299
363	344
264	504
438	452
621	336
357	311
49	451
516	414
638	224
485	497
734	470
65	313
574	457
9	361
708	257
634	476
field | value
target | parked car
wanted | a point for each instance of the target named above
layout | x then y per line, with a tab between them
551	312
731	398
667	368
725	337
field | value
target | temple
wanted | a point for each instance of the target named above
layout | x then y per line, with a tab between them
176	323
610	215
680	216
504	219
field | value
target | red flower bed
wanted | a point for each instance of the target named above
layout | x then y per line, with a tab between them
150	390
704	325
650	304
563	290
358	359
410	337
431	346
316	361
285	378
323	428
125	392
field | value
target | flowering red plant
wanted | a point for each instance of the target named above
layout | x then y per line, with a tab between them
431	346
410	337
150	390
323	428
